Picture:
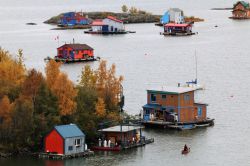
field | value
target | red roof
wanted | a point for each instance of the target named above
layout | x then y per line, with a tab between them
77	46
97	23
176	25
114	19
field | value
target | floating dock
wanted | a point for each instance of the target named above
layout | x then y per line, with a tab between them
72	60
119	148
62	156
179	126
178	34
108	33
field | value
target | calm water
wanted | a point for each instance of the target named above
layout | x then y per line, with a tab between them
149	59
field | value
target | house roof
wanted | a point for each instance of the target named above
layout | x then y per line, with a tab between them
245	4
114	19
171	90
175	10
119	129
78	46
97	23
176	25
68	131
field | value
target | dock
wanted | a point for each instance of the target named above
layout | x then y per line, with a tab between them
108	33
177	34
72	60
62	156
124	146
179	126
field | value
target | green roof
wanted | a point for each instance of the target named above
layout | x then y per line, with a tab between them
244	3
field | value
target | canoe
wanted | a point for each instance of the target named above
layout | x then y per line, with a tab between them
185	152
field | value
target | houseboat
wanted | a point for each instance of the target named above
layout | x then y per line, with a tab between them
174	29
64	141
73	19
174	107
121	137
241	10
75	53
109	25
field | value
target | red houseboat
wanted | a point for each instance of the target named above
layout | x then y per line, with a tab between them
184	29
75	53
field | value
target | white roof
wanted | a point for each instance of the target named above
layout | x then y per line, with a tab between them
176	90
175	9
119	129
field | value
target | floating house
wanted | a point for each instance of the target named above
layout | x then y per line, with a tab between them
241	10
109	25
174	107
75	53
65	140
73	18
176	15
178	29
121	137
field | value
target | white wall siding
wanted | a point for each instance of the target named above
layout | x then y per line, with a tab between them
116	25
70	142
96	28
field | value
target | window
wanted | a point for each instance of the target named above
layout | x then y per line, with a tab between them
199	111
163	96
163	109
70	148
147	111
186	97
77	142
153	97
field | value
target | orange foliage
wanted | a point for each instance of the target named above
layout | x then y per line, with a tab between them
5	112
52	72
12	72
32	83
62	87
100	108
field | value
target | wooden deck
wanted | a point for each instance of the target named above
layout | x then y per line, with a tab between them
109	33
62	156
119	148
72	60
179	126
178	34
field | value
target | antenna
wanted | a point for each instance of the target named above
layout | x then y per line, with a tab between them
196	73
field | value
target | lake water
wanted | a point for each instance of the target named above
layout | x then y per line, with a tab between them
149	59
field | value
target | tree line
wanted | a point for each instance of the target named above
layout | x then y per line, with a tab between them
31	103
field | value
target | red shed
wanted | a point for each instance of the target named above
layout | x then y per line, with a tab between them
75	51
65	139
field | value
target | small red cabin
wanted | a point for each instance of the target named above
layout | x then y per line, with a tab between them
65	139
75	51
172	28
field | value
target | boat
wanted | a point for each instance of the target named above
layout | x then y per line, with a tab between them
194	83
185	151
